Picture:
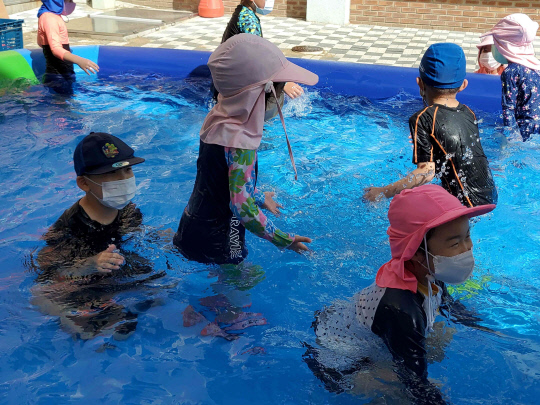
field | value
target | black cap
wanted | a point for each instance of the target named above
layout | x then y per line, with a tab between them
100	153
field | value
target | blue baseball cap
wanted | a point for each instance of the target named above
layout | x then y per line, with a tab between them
443	66
100	153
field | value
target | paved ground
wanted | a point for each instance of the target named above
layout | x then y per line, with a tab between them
350	43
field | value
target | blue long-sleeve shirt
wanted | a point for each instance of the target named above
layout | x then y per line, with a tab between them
521	99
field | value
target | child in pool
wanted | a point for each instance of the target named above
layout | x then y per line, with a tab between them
225	200
430	241
513	45
82	243
245	20
52	36
445	135
84	264
486	61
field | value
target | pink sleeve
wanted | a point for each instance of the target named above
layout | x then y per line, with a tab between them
51	27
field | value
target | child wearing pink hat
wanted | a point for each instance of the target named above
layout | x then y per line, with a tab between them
430	242
225	199
486	61
513	45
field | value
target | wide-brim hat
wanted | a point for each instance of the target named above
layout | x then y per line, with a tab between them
412	214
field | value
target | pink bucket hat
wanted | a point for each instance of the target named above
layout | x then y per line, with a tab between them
485	41
412	214
513	36
243	69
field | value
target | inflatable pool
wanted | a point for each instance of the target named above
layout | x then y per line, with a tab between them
374	81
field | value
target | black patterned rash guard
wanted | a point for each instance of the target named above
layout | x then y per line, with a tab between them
449	137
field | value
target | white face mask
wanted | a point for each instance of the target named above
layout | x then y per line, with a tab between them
451	270
455	269
488	61
268	7
116	194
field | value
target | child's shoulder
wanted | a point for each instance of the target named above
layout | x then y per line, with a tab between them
422	114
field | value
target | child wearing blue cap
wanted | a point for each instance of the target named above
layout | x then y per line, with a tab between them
445	135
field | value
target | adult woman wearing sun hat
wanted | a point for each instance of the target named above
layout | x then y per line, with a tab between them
52	37
225	200
430	244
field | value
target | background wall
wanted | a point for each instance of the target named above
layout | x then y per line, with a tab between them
282	8
458	15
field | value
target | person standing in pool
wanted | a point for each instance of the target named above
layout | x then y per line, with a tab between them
513	38
445	135
431	246
225	200
52	37
245	20
84	263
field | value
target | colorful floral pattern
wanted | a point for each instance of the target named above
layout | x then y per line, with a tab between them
520	99
246	199
248	22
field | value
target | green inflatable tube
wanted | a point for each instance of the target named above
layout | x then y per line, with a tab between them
14	66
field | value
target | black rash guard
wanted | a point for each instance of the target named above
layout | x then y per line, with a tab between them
75	236
352	335
59	74
90	300
208	231
449	137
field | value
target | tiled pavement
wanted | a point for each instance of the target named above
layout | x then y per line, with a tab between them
350	43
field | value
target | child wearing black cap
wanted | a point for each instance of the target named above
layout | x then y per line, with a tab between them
84	264
82	242
445	135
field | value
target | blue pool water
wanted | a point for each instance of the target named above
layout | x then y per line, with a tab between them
341	145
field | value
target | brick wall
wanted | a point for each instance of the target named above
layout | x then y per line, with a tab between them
458	15
282	8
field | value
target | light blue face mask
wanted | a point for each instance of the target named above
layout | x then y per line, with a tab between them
268	7
497	55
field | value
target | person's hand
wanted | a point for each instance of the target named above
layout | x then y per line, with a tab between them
270	204
108	260
88	66
373	194
293	90
298	244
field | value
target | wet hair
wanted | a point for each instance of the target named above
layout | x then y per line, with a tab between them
248	3
442	92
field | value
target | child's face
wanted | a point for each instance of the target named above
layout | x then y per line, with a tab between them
450	239
120	174
485	49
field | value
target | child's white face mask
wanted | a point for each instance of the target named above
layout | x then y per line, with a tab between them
455	269
488	61
116	194
268	7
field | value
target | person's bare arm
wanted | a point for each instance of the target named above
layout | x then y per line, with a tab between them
85	64
424	173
